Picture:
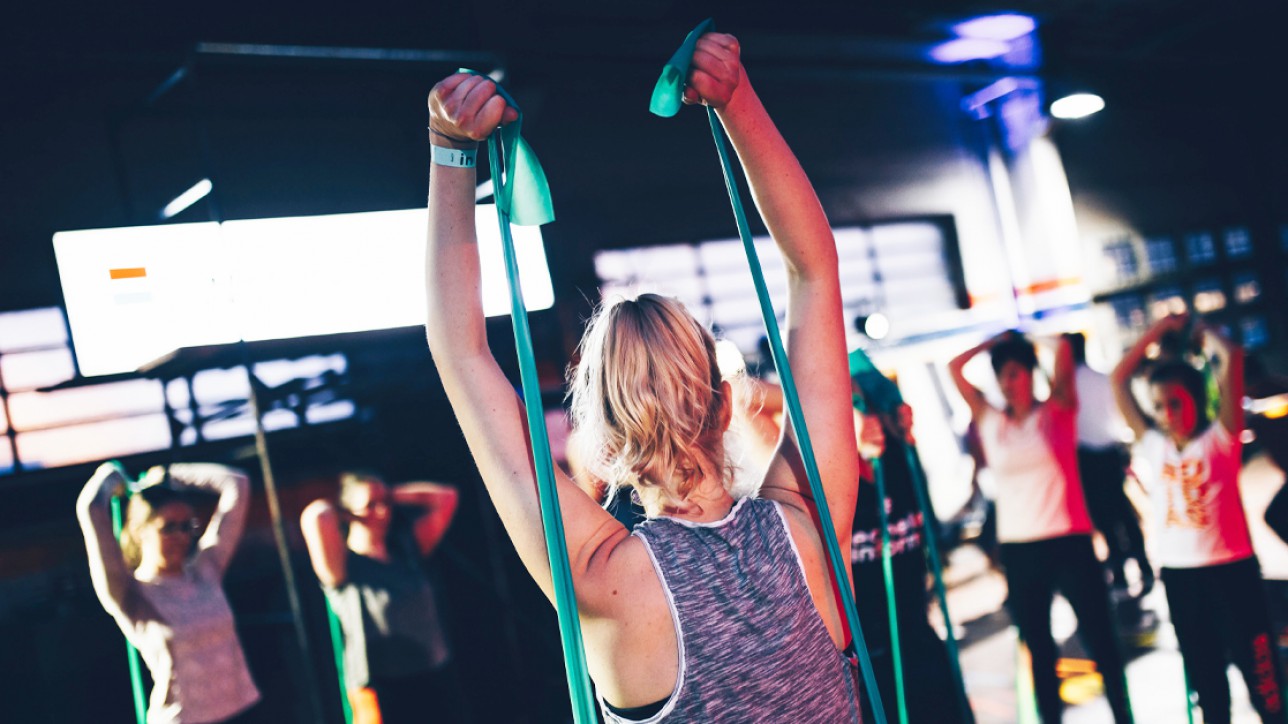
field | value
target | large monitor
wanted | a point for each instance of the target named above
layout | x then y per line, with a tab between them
136	293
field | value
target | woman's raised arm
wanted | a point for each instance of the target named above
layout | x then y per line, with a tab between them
465	109
112	580
815	329
219	542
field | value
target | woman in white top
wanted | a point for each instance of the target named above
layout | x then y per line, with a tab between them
1213	580
1042	521
164	586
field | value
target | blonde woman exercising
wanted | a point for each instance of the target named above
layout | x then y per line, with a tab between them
715	609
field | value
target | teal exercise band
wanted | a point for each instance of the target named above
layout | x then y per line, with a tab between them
887	570
523	197
131	653
666	102
337	648
1189	697
883	395
887	573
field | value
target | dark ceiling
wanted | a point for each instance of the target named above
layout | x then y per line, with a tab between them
80	149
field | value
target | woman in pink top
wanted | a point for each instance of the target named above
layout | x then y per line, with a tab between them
1042	520
164	587
1213	581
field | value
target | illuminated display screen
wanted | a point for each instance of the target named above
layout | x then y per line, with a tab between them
136	293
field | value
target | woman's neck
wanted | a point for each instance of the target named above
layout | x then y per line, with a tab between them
706	503
363	541
150	570
1020	409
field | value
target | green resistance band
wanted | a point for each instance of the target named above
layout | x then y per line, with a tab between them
883	394
523	197
131	653
666	101
887	570
337	649
1189	697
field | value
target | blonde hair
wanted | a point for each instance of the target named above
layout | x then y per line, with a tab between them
648	404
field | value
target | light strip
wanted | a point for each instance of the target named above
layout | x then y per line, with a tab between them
198	192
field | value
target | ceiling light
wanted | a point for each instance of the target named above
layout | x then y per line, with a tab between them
1005	26
1077	105
964	49
198	192
876	326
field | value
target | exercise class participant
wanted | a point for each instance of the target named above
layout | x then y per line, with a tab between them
1042	521
715	609
928	675
1102	464
395	652
164	586
1211	574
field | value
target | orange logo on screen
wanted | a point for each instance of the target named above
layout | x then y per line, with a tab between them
1187	481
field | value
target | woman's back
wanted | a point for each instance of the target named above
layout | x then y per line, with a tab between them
752	646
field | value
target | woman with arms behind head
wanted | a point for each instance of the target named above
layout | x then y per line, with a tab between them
395	650
1213	580
164	587
715	609
1042	520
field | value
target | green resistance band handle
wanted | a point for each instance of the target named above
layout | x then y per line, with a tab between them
131	653
666	101
337	649
887	571
884	395
583	706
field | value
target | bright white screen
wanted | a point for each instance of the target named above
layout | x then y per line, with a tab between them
136	293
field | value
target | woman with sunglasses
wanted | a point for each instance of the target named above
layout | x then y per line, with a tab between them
164	585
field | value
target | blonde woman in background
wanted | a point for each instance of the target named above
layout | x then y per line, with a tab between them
715	609
164	586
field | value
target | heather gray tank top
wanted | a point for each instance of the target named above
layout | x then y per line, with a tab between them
752	646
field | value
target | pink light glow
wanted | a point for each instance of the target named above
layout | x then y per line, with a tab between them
1006	26
964	49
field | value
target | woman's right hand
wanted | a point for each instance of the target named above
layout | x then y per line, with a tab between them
466	108
717	71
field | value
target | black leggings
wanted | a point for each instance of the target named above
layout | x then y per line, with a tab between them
1103	474
1035	571
1219	613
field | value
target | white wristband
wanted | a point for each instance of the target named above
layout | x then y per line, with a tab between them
458	157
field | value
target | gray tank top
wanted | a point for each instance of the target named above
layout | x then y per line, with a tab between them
752	646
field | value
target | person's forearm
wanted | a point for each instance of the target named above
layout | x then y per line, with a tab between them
455	323
782	192
959	362
209	477
425	495
1133	358
106	565
106	483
